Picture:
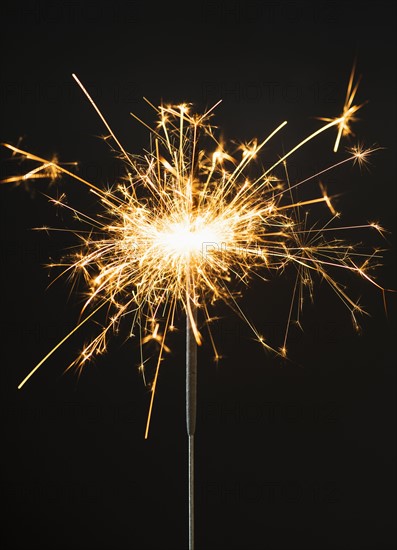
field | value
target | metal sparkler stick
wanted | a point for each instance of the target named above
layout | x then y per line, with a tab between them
191	381
191	408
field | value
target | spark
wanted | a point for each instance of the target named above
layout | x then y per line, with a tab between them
349	110
188	225
48	170
362	154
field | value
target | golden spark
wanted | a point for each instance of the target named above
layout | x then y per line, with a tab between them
349	110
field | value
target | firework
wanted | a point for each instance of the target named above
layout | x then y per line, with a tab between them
189	226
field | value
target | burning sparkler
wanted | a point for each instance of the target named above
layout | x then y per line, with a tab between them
188	224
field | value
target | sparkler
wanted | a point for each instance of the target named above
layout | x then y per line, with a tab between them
188	225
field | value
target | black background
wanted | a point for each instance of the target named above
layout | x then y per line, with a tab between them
296	455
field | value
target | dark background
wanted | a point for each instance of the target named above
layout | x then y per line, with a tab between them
295	455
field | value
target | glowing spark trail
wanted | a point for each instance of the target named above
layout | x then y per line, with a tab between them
349	110
188	225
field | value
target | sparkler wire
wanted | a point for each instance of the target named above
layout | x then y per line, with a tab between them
191	375
191	412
